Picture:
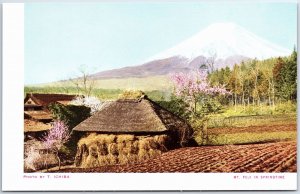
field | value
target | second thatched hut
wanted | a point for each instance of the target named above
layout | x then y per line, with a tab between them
129	130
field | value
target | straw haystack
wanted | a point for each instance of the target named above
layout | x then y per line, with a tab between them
129	130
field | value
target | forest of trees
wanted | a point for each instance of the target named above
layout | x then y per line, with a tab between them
258	82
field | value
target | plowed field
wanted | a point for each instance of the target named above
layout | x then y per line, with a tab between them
268	157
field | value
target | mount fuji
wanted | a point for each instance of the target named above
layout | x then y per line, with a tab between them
227	43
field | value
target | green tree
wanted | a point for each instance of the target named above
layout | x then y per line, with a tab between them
285	76
235	83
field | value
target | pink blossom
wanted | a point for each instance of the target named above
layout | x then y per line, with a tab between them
195	83
57	136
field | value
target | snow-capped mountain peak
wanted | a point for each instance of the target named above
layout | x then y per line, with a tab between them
224	40
228	43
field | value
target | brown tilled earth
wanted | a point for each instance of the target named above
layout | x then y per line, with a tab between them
268	157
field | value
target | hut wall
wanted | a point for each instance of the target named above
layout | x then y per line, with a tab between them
39	135
109	149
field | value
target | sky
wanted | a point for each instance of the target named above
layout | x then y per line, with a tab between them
61	37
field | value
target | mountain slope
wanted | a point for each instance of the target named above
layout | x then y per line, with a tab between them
152	68
227	43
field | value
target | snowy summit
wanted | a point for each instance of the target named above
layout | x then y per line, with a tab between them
224	40
227	43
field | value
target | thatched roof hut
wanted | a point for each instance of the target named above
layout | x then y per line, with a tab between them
35	129
132	116
129	130
35	126
35	100
36	105
44	116
37	117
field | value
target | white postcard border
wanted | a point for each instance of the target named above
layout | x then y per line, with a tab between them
13	178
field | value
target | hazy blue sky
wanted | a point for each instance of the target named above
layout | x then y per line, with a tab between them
61	37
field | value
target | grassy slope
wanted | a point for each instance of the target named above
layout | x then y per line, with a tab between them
279	108
256	120
248	137
102	94
144	84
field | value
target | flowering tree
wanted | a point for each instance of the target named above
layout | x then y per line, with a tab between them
57	136
91	102
193	87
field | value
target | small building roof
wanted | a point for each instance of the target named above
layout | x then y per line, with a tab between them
32	106
131	116
46	99
38	115
35	126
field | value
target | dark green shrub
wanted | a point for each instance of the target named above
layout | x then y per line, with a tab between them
71	115
210	106
177	106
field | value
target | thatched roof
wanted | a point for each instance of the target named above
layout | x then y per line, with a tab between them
35	126
46	99
131	116
32	106
38	115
